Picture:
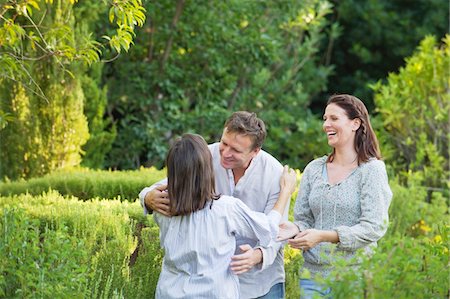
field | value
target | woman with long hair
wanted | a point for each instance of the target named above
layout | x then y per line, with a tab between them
199	238
343	200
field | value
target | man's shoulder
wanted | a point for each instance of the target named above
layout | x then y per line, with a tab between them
268	161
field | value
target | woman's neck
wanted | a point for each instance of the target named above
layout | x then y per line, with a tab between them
345	158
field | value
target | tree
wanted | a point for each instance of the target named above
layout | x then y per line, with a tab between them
376	37
42	58
414	106
196	62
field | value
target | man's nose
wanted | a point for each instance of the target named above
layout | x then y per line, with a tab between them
226	152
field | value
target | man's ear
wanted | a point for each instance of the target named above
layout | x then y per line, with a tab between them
256	151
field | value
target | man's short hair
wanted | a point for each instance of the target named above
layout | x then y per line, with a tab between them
247	123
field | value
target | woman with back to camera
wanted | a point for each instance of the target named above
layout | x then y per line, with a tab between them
199	239
343	200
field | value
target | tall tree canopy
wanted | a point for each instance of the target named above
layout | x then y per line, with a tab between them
44	52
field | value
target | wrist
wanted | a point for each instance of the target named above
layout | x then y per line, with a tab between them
258	256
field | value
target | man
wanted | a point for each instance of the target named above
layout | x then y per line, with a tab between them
243	170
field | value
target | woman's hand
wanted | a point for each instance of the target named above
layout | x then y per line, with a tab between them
306	239
288	180
287	230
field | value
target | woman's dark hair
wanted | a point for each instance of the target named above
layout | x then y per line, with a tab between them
190	175
366	143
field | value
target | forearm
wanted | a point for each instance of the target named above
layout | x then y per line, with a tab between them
283	199
142	196
329	236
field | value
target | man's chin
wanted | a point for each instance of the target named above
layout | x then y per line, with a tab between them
225	165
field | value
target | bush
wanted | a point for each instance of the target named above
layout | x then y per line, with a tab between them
86	184
414	106
61	247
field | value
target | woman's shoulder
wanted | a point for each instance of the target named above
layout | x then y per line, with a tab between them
316	163
226	200
373	165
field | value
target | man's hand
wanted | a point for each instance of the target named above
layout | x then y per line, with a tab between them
158	200
243	262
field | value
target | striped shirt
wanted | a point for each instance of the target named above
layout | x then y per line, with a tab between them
259	189
198	248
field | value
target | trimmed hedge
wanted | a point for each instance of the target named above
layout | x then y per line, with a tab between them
86	184
56	247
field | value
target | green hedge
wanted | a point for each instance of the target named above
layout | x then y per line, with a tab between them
86	184
56	247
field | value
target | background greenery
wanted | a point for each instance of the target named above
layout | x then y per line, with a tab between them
55	246
89	87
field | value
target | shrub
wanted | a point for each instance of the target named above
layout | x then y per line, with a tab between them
62	247
86	184
414	106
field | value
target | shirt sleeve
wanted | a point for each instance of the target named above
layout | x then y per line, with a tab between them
254	225
303	216
148	189
375	199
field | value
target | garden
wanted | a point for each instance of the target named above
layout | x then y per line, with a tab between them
94	92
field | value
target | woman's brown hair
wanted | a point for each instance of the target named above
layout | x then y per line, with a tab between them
190	175
366	143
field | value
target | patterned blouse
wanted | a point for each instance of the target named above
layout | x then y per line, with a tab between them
356	208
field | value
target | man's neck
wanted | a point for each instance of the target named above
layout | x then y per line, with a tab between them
238	173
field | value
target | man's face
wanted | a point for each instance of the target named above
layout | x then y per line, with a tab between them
236	150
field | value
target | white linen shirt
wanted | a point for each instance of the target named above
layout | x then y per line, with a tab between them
259	189
198	248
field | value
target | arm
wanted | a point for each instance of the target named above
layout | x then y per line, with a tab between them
375	199
155	198
252	256
303	216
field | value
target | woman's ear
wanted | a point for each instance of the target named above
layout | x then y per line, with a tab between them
356	124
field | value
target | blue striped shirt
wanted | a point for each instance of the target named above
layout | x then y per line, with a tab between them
198	248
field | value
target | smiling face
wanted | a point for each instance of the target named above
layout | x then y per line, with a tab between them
339	128
236	150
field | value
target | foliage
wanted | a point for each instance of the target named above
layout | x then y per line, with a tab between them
43	135
376	36
102	133
85	184
58	247
108	248
420	263
414	106
43	54
197	61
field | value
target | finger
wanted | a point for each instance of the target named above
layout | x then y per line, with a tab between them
240	257
162	211
239	263
240	270
296	242
283	225
245	247
161	187
301	234
162	201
